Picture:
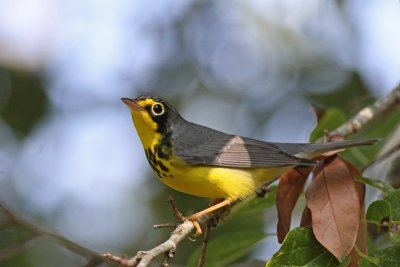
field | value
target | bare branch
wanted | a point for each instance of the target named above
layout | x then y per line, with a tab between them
143	258
175	210
367	114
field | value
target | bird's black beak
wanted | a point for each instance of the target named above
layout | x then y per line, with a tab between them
132	104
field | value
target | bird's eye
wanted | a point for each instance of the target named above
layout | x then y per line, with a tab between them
158	109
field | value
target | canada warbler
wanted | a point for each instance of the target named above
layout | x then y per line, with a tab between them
204	162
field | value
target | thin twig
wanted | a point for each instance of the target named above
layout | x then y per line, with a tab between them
175	210
202	257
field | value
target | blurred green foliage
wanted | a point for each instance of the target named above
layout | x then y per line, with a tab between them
28	101
350	97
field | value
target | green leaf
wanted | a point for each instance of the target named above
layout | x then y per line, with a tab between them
385	257
394	201
388	207
378	184
300	248
332	119
226	249
378	210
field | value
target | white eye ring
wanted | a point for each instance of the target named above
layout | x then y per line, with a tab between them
157	109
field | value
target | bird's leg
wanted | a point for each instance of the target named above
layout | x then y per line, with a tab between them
215	201
197	215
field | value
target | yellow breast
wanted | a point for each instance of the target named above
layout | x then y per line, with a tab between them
218	182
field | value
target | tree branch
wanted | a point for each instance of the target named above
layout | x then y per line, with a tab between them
143	258
367	114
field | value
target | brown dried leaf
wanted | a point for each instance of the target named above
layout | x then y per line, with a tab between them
336	200
306	220
290	186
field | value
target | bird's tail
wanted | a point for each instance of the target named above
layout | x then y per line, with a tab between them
310	151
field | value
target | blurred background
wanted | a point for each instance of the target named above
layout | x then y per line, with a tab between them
70	159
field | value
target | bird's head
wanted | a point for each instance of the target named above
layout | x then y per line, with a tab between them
152	116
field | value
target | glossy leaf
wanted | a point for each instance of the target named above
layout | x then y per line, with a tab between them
387	209
300	248
394	201
378	210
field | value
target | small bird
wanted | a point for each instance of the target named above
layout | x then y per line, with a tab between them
204	162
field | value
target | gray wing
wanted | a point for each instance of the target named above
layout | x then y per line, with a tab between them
199	145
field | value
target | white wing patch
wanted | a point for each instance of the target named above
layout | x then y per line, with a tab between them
234	153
